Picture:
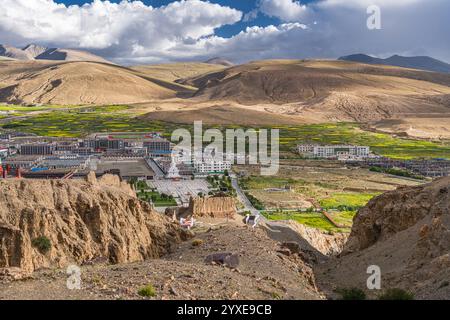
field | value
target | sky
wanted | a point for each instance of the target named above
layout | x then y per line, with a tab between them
156	31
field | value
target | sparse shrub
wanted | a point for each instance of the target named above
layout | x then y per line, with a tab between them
275	296
43	244
396	294
197	242
352	294
148	291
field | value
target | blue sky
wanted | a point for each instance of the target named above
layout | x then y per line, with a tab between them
155	31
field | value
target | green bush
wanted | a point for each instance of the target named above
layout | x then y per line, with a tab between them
396	294
352	294
43	244
197	242
148	291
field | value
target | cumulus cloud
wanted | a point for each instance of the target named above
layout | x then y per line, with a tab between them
114	28
286	10
131	32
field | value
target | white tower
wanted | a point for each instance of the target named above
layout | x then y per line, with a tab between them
173	172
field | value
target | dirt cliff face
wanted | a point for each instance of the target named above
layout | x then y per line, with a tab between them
214	207
406	233
81	220
397	211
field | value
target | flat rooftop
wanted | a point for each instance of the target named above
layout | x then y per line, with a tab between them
127	167
126	135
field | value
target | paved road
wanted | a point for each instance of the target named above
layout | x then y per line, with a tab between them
244	200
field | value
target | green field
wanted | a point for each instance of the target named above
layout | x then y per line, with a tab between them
347	201
80	121
349	133
24	109
313	220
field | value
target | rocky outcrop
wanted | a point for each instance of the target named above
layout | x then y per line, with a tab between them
77	221
326	243
398	210
406	233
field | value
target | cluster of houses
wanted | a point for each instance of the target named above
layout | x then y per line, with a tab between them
132	155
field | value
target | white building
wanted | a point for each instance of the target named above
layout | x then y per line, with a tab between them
341	152
211	166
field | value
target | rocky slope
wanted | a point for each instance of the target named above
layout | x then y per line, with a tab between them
265	271
407	234
82	220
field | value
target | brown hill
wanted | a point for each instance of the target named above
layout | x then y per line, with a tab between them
83	220
175	71
407	234
328	90
75	83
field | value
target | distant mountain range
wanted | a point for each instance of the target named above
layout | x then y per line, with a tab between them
37	52
420	62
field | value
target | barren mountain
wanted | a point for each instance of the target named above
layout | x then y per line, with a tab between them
14	53
37	52
75	83
54	223
328	90
407	234
422	63
34	50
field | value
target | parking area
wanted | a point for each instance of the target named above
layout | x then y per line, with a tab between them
182	190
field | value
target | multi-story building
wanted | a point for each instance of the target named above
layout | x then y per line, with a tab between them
23	162
37	149
103	144
207	166
343	152
158	147
73	162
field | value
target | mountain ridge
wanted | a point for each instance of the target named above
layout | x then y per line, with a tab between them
37	52
417	62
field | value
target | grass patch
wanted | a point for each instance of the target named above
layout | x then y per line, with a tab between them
43	244
313	220
396	294
148	291
347	201
351	294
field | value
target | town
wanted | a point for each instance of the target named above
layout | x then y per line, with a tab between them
146	160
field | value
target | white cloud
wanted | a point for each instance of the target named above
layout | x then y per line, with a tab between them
286	10
120	26
131	32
